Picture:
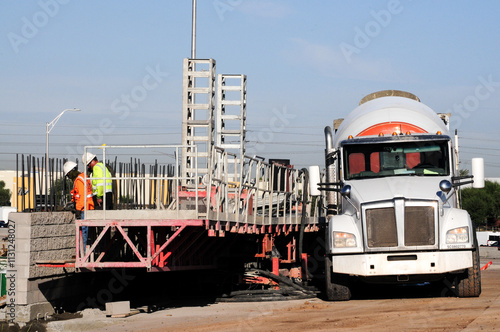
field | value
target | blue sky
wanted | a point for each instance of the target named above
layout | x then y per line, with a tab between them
307	63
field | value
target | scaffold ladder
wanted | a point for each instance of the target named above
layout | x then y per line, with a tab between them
231	114
198	108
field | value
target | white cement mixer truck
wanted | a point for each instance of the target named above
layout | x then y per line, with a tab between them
391	188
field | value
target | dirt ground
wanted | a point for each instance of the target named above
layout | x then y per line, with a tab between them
375	309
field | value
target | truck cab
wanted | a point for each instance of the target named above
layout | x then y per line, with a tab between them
393	214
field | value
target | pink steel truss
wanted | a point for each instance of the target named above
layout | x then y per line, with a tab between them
167	252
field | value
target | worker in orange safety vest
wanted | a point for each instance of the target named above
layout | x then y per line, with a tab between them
79	194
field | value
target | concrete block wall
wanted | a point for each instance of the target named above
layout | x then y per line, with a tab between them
38	291
39	236
43	236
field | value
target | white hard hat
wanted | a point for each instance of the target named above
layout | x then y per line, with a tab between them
68	167
87	158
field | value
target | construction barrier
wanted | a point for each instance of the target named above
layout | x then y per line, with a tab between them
486	266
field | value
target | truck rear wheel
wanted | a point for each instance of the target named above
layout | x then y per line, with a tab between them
337	285
470	284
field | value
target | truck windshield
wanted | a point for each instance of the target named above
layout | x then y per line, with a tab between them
420	158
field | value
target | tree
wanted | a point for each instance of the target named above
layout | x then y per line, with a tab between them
483	204
4	195
463	172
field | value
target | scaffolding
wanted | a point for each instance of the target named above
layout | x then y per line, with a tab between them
231	112
198	118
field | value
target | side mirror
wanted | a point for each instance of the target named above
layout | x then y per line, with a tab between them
478	172
314	180
445	186
346	191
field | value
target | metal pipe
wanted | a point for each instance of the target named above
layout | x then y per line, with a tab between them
51	194
46	163
193	34
143	186
457	169
151	171
34	183
40	183
28	164
120	186
330	169
22	183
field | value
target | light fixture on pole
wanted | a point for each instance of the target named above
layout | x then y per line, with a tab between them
48	128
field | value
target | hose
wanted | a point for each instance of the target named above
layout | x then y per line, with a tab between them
284	280
283	296
292	292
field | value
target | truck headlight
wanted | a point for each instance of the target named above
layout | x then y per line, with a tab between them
343	240
457	235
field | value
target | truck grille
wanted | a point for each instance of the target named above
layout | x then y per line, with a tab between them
382	226
419	226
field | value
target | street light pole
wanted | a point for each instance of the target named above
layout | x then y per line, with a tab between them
48	128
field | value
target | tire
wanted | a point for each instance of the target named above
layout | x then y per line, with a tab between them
470	284
336	285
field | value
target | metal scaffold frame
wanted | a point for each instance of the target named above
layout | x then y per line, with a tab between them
198	107
231	112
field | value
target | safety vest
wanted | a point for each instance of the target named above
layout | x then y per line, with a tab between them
78	193
98	184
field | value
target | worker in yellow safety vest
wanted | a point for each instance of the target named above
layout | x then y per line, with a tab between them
100	186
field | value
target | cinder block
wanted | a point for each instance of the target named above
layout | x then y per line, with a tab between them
40	297
29	296
57	254
21	297
117	308
52	218
20	219
22	272
23	232
22	258
33	285
42	271
44	231
25	313
53	243
23	286
23	245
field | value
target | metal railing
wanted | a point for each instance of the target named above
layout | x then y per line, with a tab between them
243	190
133	188
253	191
29	184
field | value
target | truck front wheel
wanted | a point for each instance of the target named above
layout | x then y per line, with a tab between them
470	284
337	285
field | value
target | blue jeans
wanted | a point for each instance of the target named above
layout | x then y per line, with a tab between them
85	233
